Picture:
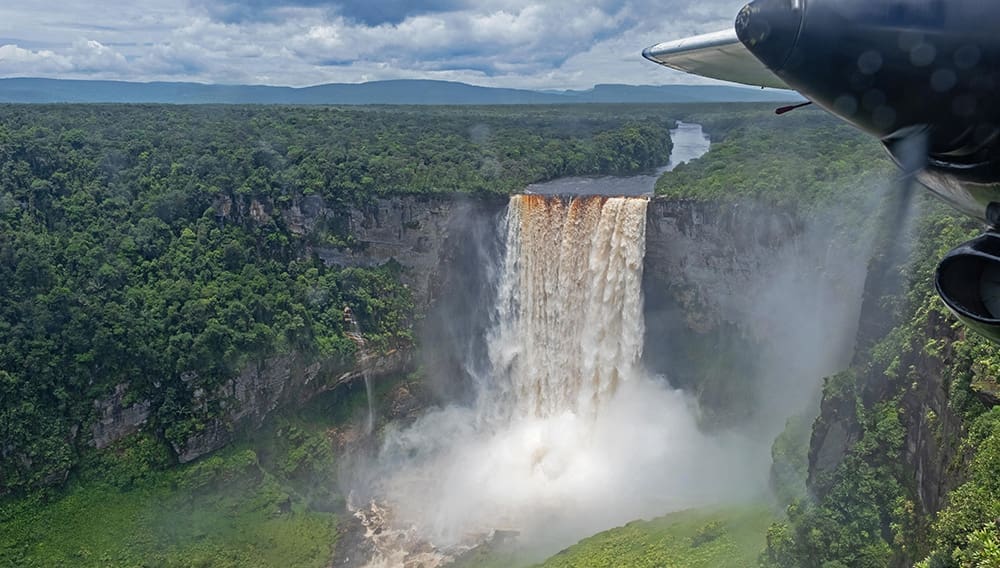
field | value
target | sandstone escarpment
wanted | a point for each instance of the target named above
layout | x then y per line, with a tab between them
426	236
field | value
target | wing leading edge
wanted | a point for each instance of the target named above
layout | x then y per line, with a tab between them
718	55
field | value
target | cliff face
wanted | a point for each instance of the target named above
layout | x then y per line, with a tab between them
921	386
426	236
702	282
267	385
707	256
245	400
748	305
702	272
934	430
720	322
423	234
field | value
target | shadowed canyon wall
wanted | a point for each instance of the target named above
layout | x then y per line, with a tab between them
717	282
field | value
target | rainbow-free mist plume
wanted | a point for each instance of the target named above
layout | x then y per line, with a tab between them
568	434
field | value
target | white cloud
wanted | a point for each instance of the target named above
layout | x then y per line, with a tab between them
15	60
512	43
82	57
90	55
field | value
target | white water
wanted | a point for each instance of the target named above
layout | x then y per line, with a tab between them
569	322
370	423
569	435
363	355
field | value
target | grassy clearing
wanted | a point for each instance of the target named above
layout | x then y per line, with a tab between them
727	538
269	500
228	513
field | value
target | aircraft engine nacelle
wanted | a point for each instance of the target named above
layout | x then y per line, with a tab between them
892	67
968	280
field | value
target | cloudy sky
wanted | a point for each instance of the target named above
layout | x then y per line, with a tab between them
555	44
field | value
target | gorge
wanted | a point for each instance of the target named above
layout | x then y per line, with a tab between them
567	433
569	383
546	365
567	430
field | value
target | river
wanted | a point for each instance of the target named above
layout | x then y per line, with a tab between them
690	143
568	433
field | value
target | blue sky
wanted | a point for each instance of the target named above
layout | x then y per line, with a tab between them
556	44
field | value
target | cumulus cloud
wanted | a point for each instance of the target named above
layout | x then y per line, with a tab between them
510	43
15	59
486	41
90	55
365	12
82	57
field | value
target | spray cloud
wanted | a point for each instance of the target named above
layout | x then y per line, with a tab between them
567	434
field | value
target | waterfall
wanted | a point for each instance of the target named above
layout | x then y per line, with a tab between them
363	359
569	324
568	434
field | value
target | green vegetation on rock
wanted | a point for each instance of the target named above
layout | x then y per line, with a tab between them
867	510
967	532
153	246
227	510
730	538
803	159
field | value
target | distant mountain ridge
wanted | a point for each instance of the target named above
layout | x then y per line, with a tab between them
394	92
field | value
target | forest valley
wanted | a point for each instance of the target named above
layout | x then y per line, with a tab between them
180	386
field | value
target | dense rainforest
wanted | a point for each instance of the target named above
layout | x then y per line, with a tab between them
151	246
120	264
916	479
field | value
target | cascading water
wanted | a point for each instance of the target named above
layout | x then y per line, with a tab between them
568	435
364	355
569	318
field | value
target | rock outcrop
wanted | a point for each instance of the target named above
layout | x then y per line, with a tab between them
117	417
748	305
427	236
420	233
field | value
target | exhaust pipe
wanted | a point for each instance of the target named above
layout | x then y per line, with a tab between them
968	280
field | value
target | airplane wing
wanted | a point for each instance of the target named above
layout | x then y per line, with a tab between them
718	55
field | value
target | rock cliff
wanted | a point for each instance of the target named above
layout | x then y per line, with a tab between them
707	255
720	320
425	235
922	384
748	305
421	233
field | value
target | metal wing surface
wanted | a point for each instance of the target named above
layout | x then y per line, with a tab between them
718	55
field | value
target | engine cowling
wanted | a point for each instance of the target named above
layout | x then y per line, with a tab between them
891	67
968	280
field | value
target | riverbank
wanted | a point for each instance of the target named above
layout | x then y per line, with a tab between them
690	142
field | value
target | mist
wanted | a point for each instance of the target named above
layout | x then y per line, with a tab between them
567	433
563	477
803	307
803	311
561	430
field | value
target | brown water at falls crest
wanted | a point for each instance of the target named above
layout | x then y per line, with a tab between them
568	434
569	325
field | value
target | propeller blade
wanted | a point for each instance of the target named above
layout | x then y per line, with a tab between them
910	151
